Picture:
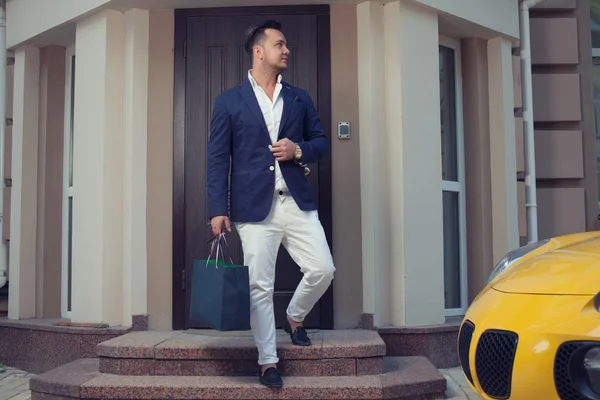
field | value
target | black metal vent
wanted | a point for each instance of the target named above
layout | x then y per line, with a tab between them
570	375
494	360
464	345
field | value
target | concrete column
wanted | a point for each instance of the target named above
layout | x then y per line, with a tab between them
400	158
23	216
373	165
98	170
135	122
503	159
345	157
50	182
160	170
414	166
477	164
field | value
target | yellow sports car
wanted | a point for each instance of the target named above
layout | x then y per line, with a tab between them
533	333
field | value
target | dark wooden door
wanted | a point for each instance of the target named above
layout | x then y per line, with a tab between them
212	59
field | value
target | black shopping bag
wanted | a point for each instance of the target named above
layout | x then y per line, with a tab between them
220	293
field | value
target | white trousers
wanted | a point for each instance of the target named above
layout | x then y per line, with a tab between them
302	235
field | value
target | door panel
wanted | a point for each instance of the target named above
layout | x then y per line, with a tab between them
215	61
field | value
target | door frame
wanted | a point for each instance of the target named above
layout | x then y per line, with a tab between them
324	110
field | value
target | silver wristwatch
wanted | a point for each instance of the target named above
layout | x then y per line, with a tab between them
298	152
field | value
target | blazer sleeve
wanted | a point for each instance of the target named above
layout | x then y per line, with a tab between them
218	160
315	144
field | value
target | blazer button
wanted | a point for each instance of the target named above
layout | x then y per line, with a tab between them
272	168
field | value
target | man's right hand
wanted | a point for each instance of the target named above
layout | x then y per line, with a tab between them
217	224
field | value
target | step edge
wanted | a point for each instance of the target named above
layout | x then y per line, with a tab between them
158	346
376	383
197	354
225	367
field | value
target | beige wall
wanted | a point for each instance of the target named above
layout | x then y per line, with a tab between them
24	171
98	170
50	181
565	146
480	237
159	164
401	185
160	170
52	22
491	156
415	216
345	160
489	99
157	249
502	147
347	232
135	135
498	18
373	171
28	18
407	287
47	241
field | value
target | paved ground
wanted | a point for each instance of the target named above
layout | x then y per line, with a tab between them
14	385
458	388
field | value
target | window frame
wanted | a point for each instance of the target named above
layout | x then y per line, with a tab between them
66	279
460	185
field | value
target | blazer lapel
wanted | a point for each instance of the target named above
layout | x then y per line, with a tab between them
249	97
288	97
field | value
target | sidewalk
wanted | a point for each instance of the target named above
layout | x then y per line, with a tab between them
14	385
457	387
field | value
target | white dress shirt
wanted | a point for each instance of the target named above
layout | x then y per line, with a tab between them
272	111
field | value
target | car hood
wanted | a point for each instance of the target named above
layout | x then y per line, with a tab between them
569	270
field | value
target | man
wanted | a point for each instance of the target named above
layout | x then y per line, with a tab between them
268	129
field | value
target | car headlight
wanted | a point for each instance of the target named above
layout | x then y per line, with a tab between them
592	359
510	258
591	363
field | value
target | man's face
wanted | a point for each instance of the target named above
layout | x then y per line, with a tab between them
275	51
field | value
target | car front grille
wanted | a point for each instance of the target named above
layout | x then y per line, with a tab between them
494	360
464	345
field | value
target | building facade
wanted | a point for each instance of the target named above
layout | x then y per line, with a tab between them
564	113
108	107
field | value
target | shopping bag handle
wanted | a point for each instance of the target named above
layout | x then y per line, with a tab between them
227	247
216	242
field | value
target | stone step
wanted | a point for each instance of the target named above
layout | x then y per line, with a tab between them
210	353
403	378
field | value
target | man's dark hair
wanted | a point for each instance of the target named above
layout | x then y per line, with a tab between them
256	34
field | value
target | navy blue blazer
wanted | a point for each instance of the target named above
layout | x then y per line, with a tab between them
238	133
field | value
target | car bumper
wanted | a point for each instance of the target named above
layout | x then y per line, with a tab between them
517	346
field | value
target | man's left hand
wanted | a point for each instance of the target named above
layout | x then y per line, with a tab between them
284	150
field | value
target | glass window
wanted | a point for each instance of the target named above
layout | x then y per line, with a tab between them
453	188
71	120
452	270
448	114
595	22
